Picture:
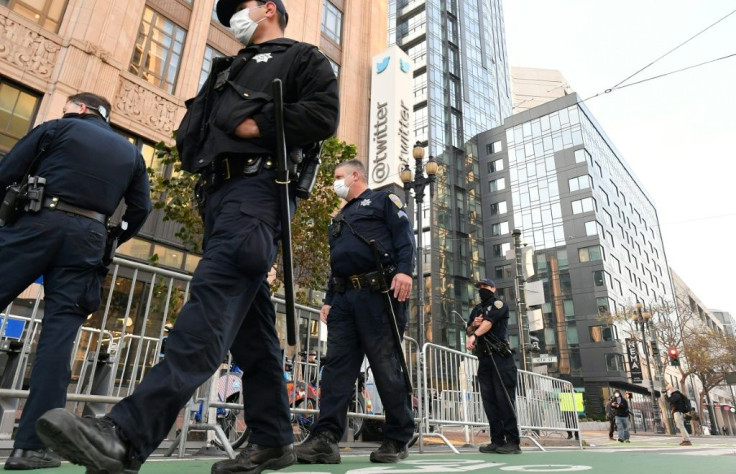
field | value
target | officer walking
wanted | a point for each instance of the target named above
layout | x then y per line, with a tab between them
488	339
79	170
228	136
358	319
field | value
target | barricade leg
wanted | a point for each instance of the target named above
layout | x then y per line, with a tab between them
9	405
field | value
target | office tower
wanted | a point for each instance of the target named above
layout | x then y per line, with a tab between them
552	173
461	88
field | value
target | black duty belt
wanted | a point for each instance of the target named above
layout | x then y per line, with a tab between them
223	169
370	280
55	204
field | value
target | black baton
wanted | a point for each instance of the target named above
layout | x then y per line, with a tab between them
282	178
390	310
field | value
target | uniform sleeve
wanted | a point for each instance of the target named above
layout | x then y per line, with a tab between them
137	201
496	313
402	234
314	116
15	164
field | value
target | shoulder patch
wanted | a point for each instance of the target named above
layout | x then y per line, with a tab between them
498	304
395	199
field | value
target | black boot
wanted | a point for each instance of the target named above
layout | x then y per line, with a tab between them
318	448
509	448
390	451
488	448
25	459
91	442
254	459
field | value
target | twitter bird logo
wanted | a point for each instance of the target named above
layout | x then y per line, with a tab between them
383	64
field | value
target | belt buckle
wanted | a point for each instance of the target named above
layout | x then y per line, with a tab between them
355	281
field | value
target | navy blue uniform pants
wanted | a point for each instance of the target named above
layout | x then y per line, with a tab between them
229	308
358	325
496	403
67	250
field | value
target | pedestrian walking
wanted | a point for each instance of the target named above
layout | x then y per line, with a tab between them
621	412
678	406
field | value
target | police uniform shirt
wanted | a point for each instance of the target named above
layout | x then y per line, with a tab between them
495	311
374	215
311	100
86	164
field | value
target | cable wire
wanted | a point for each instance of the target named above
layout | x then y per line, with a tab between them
672	50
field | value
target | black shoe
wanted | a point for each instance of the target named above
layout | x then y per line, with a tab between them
318	448
509	448
95	443
390	451
620	440
488	448
254	459
25	459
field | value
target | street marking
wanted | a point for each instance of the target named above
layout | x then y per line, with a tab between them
547	468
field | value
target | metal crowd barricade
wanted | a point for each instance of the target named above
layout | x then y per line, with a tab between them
106	364
453	398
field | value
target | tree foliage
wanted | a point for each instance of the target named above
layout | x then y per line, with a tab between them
173	194
703	351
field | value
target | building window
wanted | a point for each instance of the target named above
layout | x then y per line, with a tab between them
590	254
499	208
503	271
591	228
599	278
158	49
603	306
494	147
47	13
147	149
17	112
580	182
210	53
497	184
569	310
500	228
615	363
335	68
581	156
603	333
495	165
331	21
499	250
583	205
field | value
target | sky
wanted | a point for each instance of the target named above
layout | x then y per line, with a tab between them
677	132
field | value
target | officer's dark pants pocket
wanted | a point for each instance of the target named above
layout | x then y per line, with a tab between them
256	245
90	298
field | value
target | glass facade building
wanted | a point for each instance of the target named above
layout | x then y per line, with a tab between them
552	173
461	88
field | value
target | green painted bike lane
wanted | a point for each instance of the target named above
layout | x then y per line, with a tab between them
676	461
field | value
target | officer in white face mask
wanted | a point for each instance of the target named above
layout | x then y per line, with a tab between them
228	136
357	316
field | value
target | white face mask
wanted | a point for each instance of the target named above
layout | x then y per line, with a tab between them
341	189
243	27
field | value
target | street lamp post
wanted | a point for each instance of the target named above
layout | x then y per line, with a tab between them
642	318
418	184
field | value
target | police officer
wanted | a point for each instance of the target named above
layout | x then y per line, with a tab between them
488	339
84	169
230	305
357	317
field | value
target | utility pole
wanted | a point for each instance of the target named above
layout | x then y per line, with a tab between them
521	305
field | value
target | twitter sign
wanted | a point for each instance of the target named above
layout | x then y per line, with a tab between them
391	121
